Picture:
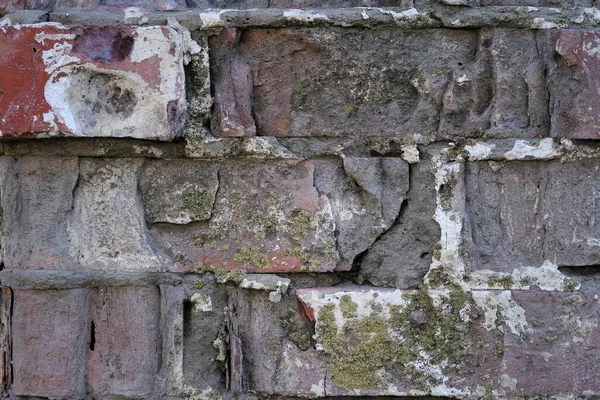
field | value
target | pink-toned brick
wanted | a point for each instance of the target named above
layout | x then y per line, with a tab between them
123	354
91	81
232	113
49	332
574	84
560	352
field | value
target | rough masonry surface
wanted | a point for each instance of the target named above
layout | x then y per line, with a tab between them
248	199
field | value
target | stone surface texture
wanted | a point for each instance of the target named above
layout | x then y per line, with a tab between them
284	199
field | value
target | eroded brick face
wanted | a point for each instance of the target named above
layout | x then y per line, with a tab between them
91	81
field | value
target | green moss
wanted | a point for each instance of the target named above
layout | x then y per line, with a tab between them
299	224
199	203
570	284
499	346
264	225
309	264
252	256
198	284
347	306
446	194
489	395
301	339
199	268
364	346
503	281
181	258
349	108
236	275
439	277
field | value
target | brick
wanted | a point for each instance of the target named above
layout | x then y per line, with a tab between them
559	353
91	81
272	215
37	197
7	6
174	192
50	335
64	213
574	68
537	3
271	340
515	343
170	380
202	328
122	358
77	4
232	111
516	217
262	218
436	83
106	227
154	5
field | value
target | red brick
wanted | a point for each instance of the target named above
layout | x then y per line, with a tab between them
123	359
49	341
232	111
91	81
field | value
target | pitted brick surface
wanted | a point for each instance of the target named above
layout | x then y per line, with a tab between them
91	81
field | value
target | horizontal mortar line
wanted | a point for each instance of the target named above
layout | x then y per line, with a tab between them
66	279
447	17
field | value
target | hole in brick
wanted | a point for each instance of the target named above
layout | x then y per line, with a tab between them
588	275
93	336
187	317
423	255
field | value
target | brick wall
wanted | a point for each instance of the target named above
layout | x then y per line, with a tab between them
247	199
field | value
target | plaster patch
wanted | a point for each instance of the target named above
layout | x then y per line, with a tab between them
304	15
545	149
410	153
479	151
499	306
202	302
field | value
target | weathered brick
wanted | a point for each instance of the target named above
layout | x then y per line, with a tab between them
50	335
232	112
574	71
123	354
106	227
77	4
517	214
65	213
494	343
272	339
537	3
274	215
435	83
154	5
262	216
559	353
91	81
204	340
7	6
37	197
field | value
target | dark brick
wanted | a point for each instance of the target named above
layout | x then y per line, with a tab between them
528	212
